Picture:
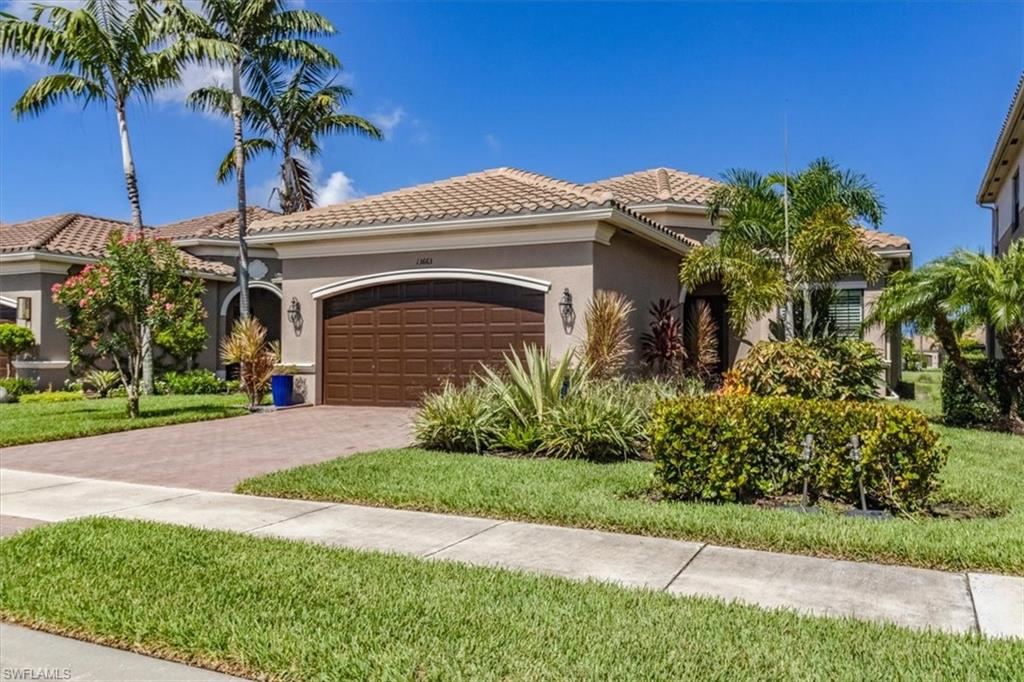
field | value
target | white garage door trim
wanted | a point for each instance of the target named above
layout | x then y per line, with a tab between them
364	281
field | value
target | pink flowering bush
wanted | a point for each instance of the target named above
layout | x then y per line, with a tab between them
137	287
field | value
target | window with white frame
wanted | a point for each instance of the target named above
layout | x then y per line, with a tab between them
846	311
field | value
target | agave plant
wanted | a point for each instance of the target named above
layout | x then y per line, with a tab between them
607	336
661	349
532	383
102	381
247	347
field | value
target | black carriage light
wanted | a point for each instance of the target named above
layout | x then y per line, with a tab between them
295	315
566	309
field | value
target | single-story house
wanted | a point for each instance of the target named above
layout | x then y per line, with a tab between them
36	254
386	296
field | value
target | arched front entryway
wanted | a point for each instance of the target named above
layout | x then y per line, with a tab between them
389	343
264	305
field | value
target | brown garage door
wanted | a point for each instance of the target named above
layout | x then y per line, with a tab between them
388	345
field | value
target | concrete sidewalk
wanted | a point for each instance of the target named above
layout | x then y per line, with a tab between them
912	597
31	655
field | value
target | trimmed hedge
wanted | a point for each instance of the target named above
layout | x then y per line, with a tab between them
828	370
960	405
192	382
739	449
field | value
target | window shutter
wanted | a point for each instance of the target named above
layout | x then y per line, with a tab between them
847	312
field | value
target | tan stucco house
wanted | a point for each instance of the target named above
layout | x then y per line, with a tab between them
1001	186
36	254
387	295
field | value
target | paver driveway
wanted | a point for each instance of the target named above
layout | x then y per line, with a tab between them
215	455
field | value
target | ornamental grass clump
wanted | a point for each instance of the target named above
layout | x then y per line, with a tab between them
247	347
741	449
465	419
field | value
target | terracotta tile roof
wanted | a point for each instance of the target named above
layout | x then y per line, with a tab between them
659	185
883	240
74	234
489	193
221	225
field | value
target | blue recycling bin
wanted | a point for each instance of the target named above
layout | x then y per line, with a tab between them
281	387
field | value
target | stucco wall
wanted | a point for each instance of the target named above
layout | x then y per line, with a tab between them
1004	203
564	265
52	342
641	271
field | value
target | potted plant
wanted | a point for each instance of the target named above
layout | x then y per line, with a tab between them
282	383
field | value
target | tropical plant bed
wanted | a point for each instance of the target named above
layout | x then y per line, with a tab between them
33	422
984	475
274	609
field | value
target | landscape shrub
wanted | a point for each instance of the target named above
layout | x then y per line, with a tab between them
247	346
458	419
739	449
537	406
51	397
14	340
961	405
597	423
830	370
17	386
102	381
193	382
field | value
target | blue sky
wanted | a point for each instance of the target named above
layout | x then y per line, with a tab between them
910	94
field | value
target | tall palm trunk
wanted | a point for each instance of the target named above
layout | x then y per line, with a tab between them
132	184
243	250
1012	343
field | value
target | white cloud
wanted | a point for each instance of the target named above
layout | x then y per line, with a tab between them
193	77
388	121
337	189
492	141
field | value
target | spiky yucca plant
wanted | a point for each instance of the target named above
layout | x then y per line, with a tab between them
532	383
607	336
247	347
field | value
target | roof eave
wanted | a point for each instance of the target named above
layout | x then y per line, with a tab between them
1013	118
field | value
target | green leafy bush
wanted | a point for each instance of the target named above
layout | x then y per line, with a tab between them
830	370
739	449
193	382
51	397
17	387
961	406
458	419
15	339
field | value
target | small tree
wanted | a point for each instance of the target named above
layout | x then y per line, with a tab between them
138	286
14	340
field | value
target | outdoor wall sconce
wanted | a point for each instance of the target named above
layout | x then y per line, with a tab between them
24	312
295	316
566	310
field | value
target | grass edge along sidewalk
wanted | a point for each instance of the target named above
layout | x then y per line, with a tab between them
276	609
985	473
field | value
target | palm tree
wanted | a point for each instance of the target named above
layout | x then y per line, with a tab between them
296	113
106	51
959	292
781	237
257	39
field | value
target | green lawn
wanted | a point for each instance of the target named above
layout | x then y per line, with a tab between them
285	610
928	391
985	471
35	422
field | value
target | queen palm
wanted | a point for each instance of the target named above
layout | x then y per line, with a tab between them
257	39
297	111
106	51
782	236
959	292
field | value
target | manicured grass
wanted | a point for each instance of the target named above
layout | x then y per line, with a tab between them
286	610
985	471
928	391
36	422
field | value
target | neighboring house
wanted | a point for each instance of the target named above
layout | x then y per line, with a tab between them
1002	188
928	350
390	294
36	254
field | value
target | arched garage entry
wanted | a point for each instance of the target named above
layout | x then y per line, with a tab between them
389	343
